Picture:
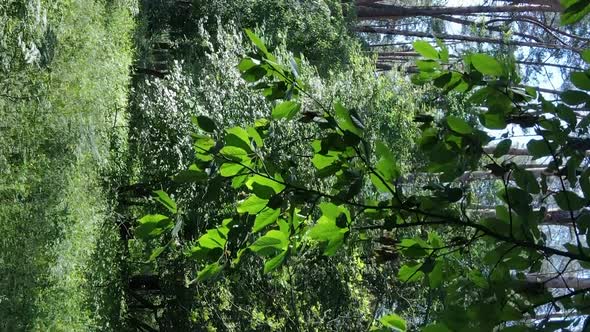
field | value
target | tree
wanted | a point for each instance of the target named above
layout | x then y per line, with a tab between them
528	30
283	213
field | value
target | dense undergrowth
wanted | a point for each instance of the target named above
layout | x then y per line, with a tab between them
64	68
186	67
96	108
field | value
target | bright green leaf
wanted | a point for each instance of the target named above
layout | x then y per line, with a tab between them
256	40
274	262
273	239
459	125
425	49
229	169
252	205
394	321
287	109
486	64
265	218
209	271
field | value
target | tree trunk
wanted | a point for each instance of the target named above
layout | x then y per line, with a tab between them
151	72
406	56
552	217
377	10
146	282
474	39
556	281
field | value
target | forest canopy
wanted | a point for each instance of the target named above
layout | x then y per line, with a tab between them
294	165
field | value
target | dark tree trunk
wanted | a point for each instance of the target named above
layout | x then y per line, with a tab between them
144	283
474	39
377	10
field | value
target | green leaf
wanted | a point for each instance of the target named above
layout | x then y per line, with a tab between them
157	252
478	279
234	153
386	166
394	321
526	180
205	123
379	185
444	50
287	109
212	239
326	229
264	187
209	271
581	80
458	125
238	137
574	97
273	239
410	272
344	120
502	148
252	132
165	200
436	276
230	169
425	49
438	327
252	205
538	148
493	120
256	40
413	248
569	201
247	64
586	56
574	11
152	225
427	65
265	218
486	64
274	262
326	164
192	174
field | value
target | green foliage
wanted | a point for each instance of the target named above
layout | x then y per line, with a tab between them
298	195
64	82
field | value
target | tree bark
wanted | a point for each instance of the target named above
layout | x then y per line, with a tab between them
552	217
474	39
556	281
377	10
406	55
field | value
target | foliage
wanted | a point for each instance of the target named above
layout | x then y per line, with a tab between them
64	77
283	215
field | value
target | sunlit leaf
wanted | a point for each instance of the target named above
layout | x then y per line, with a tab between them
252	205
165	200
425	49
265	218
458	125
486	64
394	321
286	109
